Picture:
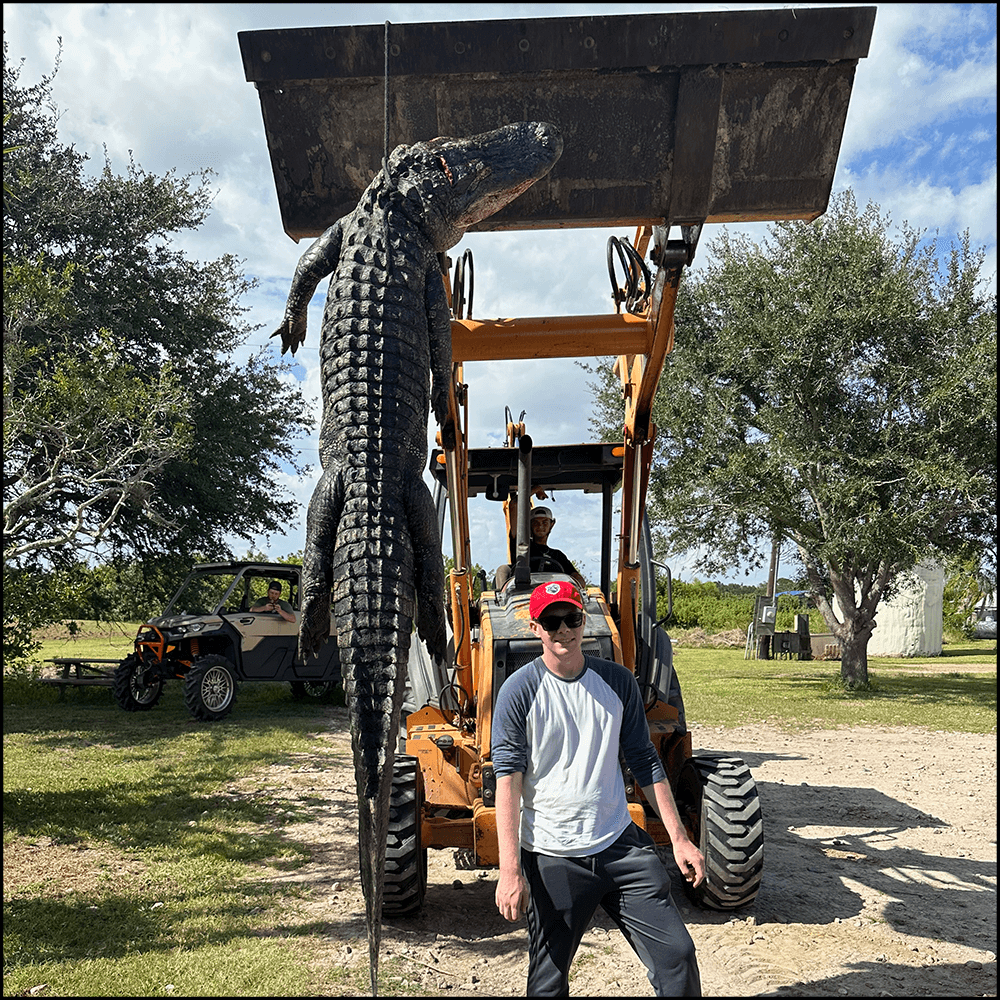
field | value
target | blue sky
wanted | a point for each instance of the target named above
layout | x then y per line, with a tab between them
165	81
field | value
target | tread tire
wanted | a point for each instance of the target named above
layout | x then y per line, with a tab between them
210	688
313	690
128	689
405	882
718	798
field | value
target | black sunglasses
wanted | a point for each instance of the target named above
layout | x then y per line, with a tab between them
552	623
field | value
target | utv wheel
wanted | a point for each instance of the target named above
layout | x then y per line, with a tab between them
717	799
318	690
210	688
405	881
130	691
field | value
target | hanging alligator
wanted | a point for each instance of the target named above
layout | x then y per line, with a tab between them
385	357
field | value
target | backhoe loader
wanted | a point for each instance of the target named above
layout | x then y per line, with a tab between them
669	122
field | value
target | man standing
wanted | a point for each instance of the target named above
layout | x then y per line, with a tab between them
557	728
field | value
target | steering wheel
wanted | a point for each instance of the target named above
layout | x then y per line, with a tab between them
547	559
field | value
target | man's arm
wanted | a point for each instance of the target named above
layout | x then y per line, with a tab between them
689	859
512	887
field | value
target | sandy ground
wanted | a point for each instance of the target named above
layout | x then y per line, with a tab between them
880	880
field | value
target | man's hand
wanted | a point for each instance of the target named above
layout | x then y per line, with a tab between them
512	895
690	861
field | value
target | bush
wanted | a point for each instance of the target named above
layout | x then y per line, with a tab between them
715	607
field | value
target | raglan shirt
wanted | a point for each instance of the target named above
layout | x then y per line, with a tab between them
564	736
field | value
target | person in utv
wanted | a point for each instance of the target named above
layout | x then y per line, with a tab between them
567	843
274	603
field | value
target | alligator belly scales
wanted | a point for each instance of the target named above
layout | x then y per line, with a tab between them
385	354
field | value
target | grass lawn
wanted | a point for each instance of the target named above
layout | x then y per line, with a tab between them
137	839
147	832
721	688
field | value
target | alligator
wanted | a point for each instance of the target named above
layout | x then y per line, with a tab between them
385	359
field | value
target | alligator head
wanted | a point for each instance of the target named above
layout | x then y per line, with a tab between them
455	183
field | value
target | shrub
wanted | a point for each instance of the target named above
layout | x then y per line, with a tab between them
713	607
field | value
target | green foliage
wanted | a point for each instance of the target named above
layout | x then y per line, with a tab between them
32	600
964	587
715	607
128	423
834	386
84	436
134	591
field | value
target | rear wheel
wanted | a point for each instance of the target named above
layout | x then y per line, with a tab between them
319	690
717	799
132	691
210	688
405	882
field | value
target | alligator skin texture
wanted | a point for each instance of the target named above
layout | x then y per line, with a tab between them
385	354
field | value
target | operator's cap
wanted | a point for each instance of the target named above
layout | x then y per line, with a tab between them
541	512
556	592
274	585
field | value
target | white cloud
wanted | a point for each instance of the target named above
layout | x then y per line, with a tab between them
898	90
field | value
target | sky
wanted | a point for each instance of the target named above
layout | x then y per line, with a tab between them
164	83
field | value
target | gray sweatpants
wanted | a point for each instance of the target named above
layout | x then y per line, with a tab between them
628	881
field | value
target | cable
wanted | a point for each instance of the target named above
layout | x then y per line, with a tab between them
638	280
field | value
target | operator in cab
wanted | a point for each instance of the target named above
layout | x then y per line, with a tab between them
542	557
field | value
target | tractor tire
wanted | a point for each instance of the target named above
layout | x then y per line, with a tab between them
210	688
130	691
313	690
717	799
405	882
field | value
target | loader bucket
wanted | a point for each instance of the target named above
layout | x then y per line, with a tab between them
666	118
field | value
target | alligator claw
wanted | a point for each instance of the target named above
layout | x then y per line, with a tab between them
292	333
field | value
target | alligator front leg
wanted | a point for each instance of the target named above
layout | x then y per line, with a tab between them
314	265
439	331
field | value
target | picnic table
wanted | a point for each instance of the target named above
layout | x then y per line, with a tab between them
78	671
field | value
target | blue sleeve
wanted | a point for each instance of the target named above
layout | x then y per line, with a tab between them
509	741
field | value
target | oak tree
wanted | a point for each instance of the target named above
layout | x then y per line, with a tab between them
833	386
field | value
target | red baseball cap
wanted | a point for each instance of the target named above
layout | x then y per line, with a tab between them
557	592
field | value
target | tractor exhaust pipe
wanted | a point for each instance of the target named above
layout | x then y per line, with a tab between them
522	565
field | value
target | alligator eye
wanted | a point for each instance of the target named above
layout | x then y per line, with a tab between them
447	170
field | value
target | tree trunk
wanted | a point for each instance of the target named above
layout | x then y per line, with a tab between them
854	658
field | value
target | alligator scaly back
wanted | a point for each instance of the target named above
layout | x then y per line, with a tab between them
385	358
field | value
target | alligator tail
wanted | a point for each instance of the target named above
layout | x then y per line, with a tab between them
375	607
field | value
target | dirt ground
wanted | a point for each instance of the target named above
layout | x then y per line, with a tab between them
880	880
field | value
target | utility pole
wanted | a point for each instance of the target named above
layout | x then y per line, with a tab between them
764	651
775	558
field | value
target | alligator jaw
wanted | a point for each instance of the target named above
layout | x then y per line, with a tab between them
485	173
